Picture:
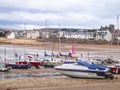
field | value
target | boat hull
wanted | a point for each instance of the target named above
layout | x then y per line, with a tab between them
82	69
18	66
4	68
32	63
81	73
115	70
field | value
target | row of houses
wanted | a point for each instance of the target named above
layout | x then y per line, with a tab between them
94	34
80	34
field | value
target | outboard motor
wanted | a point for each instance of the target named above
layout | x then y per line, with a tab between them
109	75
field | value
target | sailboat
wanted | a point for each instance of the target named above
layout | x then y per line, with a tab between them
3	67
73	52
17	65
60	54
26	62
45	53
115	68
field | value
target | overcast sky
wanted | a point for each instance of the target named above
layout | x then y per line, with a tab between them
67	13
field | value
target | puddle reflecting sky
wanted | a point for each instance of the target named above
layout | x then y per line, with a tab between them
8	75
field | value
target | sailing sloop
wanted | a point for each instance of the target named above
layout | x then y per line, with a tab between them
71	54
50	55
24	63
82	69
30	59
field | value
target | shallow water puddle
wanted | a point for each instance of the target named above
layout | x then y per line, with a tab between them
8	75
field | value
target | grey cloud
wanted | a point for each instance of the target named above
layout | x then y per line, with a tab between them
86	13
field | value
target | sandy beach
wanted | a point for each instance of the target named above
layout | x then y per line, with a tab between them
63	83
58	83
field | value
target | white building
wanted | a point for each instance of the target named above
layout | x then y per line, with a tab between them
32	34
103	35
90	34
11	35
108	36
83	34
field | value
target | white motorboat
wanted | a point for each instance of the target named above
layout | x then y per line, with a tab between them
83	69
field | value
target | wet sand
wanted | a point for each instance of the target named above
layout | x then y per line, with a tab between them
65	83
58	83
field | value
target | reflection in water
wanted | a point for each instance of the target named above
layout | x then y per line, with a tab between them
8	75
10	51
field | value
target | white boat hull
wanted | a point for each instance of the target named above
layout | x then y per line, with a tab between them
80	74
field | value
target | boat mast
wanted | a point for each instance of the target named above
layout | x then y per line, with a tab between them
45	33
15	53
118	30
5	55
59	39
24	38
